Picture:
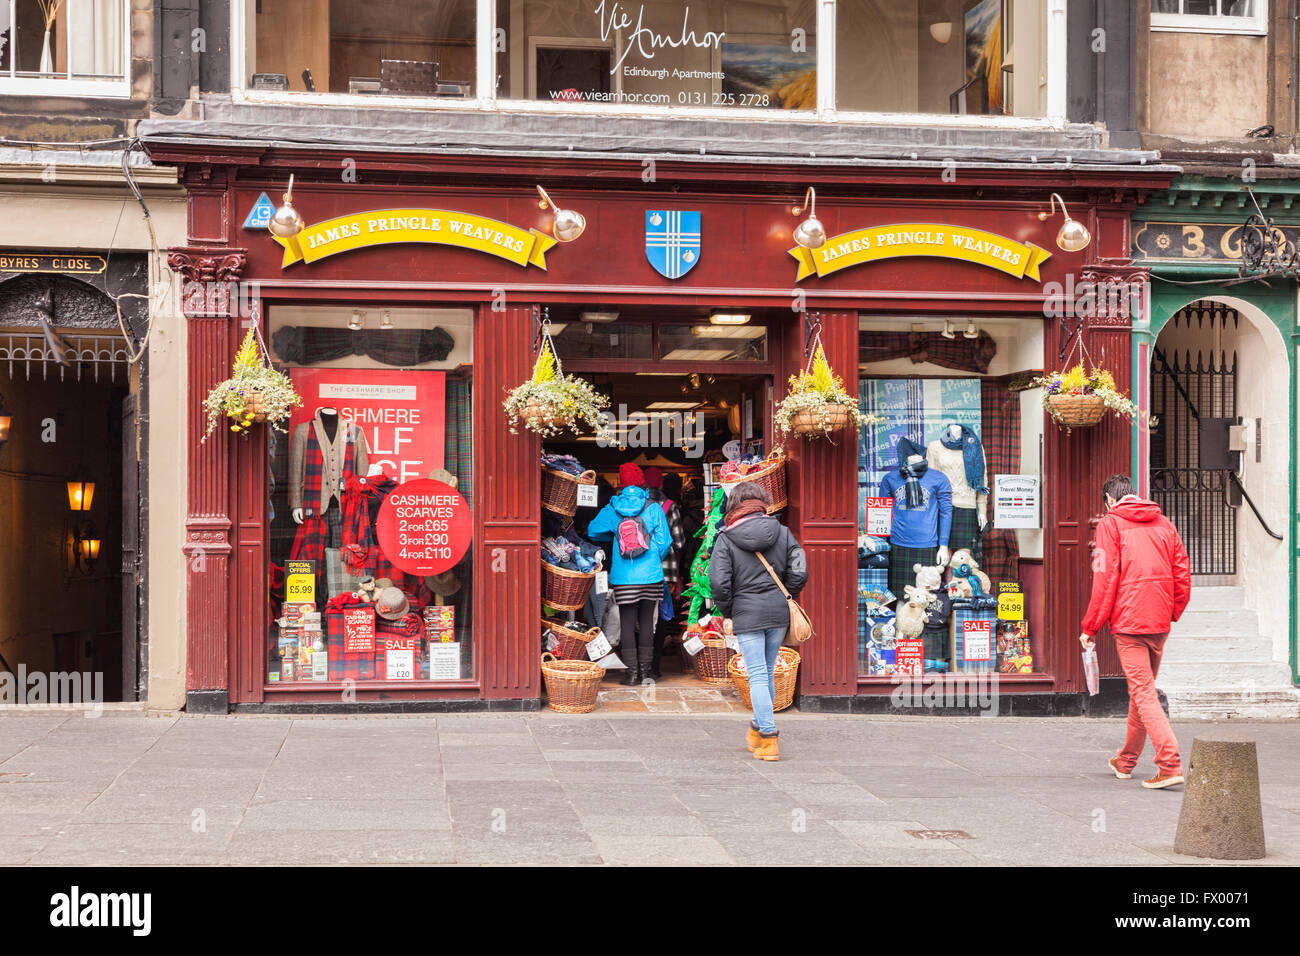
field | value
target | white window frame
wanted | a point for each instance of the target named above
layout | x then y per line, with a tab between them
1256	25
485	99
11	85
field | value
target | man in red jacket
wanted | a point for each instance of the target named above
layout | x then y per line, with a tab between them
1141	582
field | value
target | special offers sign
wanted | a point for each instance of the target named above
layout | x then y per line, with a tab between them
875	243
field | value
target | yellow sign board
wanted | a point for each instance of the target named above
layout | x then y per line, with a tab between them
300	582
921	239
1011	607
523	247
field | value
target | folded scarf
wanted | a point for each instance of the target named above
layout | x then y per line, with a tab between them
972	456
911	472
744	510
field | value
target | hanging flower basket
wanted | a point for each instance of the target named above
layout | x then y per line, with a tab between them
551	401
1078	399
255	393
817	404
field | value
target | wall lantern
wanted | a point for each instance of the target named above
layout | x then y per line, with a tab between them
5	421
356	322
285	221
85	547
568	224
810	233
1073	235
80	495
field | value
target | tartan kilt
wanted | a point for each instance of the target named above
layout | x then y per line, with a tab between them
965	531
901	563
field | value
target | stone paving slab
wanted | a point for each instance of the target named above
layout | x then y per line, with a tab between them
604	788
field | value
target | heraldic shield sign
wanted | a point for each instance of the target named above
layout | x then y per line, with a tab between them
672	241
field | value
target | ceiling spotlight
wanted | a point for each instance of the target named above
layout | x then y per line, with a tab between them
729	318
971	332
355	322
568	224
1073	235
387	321
810	233
947	332
601	317
285	221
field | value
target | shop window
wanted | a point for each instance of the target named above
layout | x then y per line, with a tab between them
582	340
960	57
712	343
76	48
706	54
1210	16
387	399
403	48
965	431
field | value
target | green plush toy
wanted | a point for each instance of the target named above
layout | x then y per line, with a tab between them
698	590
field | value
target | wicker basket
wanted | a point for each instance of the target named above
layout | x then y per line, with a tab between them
255	402
571	686
1077	411
711	663
573	642
560	490
786	677
771	477
809	422
544	416
565	590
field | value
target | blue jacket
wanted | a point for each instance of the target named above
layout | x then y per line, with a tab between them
628	503
928	525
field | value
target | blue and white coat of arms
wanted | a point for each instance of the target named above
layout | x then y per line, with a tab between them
672	241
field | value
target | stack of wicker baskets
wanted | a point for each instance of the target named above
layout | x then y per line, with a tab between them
566	590
770	477
786	678
560	490
571	643
572	687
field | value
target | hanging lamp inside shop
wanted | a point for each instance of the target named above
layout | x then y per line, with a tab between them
1073	235
285	221
810	233
568	224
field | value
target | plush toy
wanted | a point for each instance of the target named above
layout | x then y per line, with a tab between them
929	576
962	564
911	617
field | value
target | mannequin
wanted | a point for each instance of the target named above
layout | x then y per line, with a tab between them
327	418
922	515
958	453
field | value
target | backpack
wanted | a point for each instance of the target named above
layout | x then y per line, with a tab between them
632	537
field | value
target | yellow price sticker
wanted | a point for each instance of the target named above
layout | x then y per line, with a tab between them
301	588
1011	607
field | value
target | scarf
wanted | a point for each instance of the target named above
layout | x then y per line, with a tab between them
972	456
744	510
912	473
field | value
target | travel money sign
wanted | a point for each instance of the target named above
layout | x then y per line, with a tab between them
875	243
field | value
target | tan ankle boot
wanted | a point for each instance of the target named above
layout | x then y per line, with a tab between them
752	739
767	749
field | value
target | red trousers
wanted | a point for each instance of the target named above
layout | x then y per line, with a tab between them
1139	655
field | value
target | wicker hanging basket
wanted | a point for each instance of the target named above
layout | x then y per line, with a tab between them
832	418
565	590
786	678
771	477
1077	411
572	641
545	415
572	687
560	490
255	402
711	663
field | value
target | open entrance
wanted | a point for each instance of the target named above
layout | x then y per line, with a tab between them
686	395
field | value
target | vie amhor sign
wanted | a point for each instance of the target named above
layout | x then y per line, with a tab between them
875	243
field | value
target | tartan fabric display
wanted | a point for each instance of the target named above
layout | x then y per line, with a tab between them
1000	409
960	614
458	441
965	531
310	345
310	542
966	355
902	563
869	579
364	665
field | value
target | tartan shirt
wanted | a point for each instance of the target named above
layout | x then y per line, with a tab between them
309	543
672	559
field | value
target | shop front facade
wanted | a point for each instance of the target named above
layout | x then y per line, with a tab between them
431	276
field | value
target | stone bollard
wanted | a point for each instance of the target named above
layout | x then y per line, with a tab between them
1221	816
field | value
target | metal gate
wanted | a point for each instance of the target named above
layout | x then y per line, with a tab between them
1190	385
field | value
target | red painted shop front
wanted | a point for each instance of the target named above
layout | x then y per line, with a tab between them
744	264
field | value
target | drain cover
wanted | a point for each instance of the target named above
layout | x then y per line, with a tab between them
941	834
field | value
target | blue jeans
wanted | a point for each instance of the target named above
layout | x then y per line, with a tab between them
759	649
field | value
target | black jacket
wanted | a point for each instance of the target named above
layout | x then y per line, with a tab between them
742	588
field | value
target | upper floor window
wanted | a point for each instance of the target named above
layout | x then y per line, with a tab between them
1210	16
65	47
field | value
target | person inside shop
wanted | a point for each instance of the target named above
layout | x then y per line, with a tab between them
656	484
639	532
922	515
748	592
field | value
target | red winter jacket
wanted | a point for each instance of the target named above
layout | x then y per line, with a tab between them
1141	578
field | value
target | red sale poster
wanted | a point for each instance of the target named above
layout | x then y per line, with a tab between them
358	629
911	657
403	413
977	640
880	516
424	527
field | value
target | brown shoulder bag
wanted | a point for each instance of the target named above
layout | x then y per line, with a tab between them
801	628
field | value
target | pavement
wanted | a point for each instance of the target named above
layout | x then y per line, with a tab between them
130	787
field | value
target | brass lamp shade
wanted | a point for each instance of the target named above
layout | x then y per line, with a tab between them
80	495
1073	235
285	221
568	224
810	233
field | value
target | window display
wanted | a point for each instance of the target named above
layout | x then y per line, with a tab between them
342	609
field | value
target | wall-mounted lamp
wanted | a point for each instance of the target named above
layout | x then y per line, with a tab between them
971	332
947	332
80	495
1073	235
285	221
5	421
942	32
84	547
568	224
810	233
387	321
356	321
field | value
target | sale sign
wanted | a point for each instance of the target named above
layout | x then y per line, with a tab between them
911	656
399	654
300	582
880	516
977	640
403	413
425	527
358	629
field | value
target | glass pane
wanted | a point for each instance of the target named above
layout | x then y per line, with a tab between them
401	48
95	39
712	343
22	44
682	53
1201	8
386	398
602	340
1166	6
982	57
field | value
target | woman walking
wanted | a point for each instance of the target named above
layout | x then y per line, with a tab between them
744	591
639	531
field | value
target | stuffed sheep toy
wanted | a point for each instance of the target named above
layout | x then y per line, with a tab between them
911	618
